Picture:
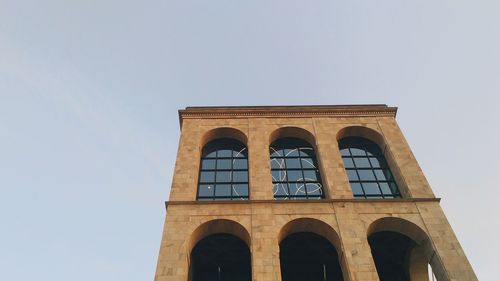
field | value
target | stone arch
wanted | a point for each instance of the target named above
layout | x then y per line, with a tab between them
293	132
377	138
423	252
219	226
223	132
313	229
308	137
311	225
219	248
362	131
399	225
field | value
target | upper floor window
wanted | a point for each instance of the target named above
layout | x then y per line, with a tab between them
223	171
368	172
295	170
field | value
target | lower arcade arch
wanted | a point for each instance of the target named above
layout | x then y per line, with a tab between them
307	252
402	251
220	252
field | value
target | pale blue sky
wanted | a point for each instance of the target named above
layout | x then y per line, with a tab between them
89	92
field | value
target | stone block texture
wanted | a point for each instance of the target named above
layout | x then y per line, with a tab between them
262	221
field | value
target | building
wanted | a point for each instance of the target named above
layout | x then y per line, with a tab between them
298	193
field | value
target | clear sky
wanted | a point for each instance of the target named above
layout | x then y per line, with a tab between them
89	92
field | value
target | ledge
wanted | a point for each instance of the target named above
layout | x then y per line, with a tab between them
215	112
347	200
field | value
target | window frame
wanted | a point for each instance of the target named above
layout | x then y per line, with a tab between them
291	144
236	148
381	174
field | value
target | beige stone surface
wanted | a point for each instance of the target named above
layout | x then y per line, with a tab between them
261	220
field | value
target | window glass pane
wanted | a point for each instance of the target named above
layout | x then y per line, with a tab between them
278	163
310	175
306	152
388	175
212	154
297	160
223	190
356	188
375	162
223	176
223	164
294	176
380	175
224	153
370	153
240	190
345	152
366	175
240	153
394	188
385	188
362	162
275	152
372	149
220	158
313	189
308	163
297	189
370	166
279	175
348	162
371	188
280	189
357	152
208	164
292	163
240	176
294	152
205	190
352	175
207	177
239	164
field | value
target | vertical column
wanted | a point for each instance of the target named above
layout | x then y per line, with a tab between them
404	159
258	159
265	247
333	172
449	261
173	260
187	163
358	258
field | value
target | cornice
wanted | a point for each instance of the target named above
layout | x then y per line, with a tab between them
321	201
371	110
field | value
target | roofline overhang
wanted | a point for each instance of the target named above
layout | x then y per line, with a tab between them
222	112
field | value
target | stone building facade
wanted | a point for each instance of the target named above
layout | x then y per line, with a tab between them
345	221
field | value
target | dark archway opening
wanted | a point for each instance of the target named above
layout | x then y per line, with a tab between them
391	253
306	256
220	257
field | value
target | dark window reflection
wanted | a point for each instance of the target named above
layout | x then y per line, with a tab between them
220	257
367	170
223	171
294	170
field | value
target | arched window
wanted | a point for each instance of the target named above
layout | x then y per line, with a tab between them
391	252
295	170
309	256
368	172
223	171
221	257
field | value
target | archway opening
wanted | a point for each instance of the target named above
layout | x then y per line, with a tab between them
306	256
220	257
391	254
